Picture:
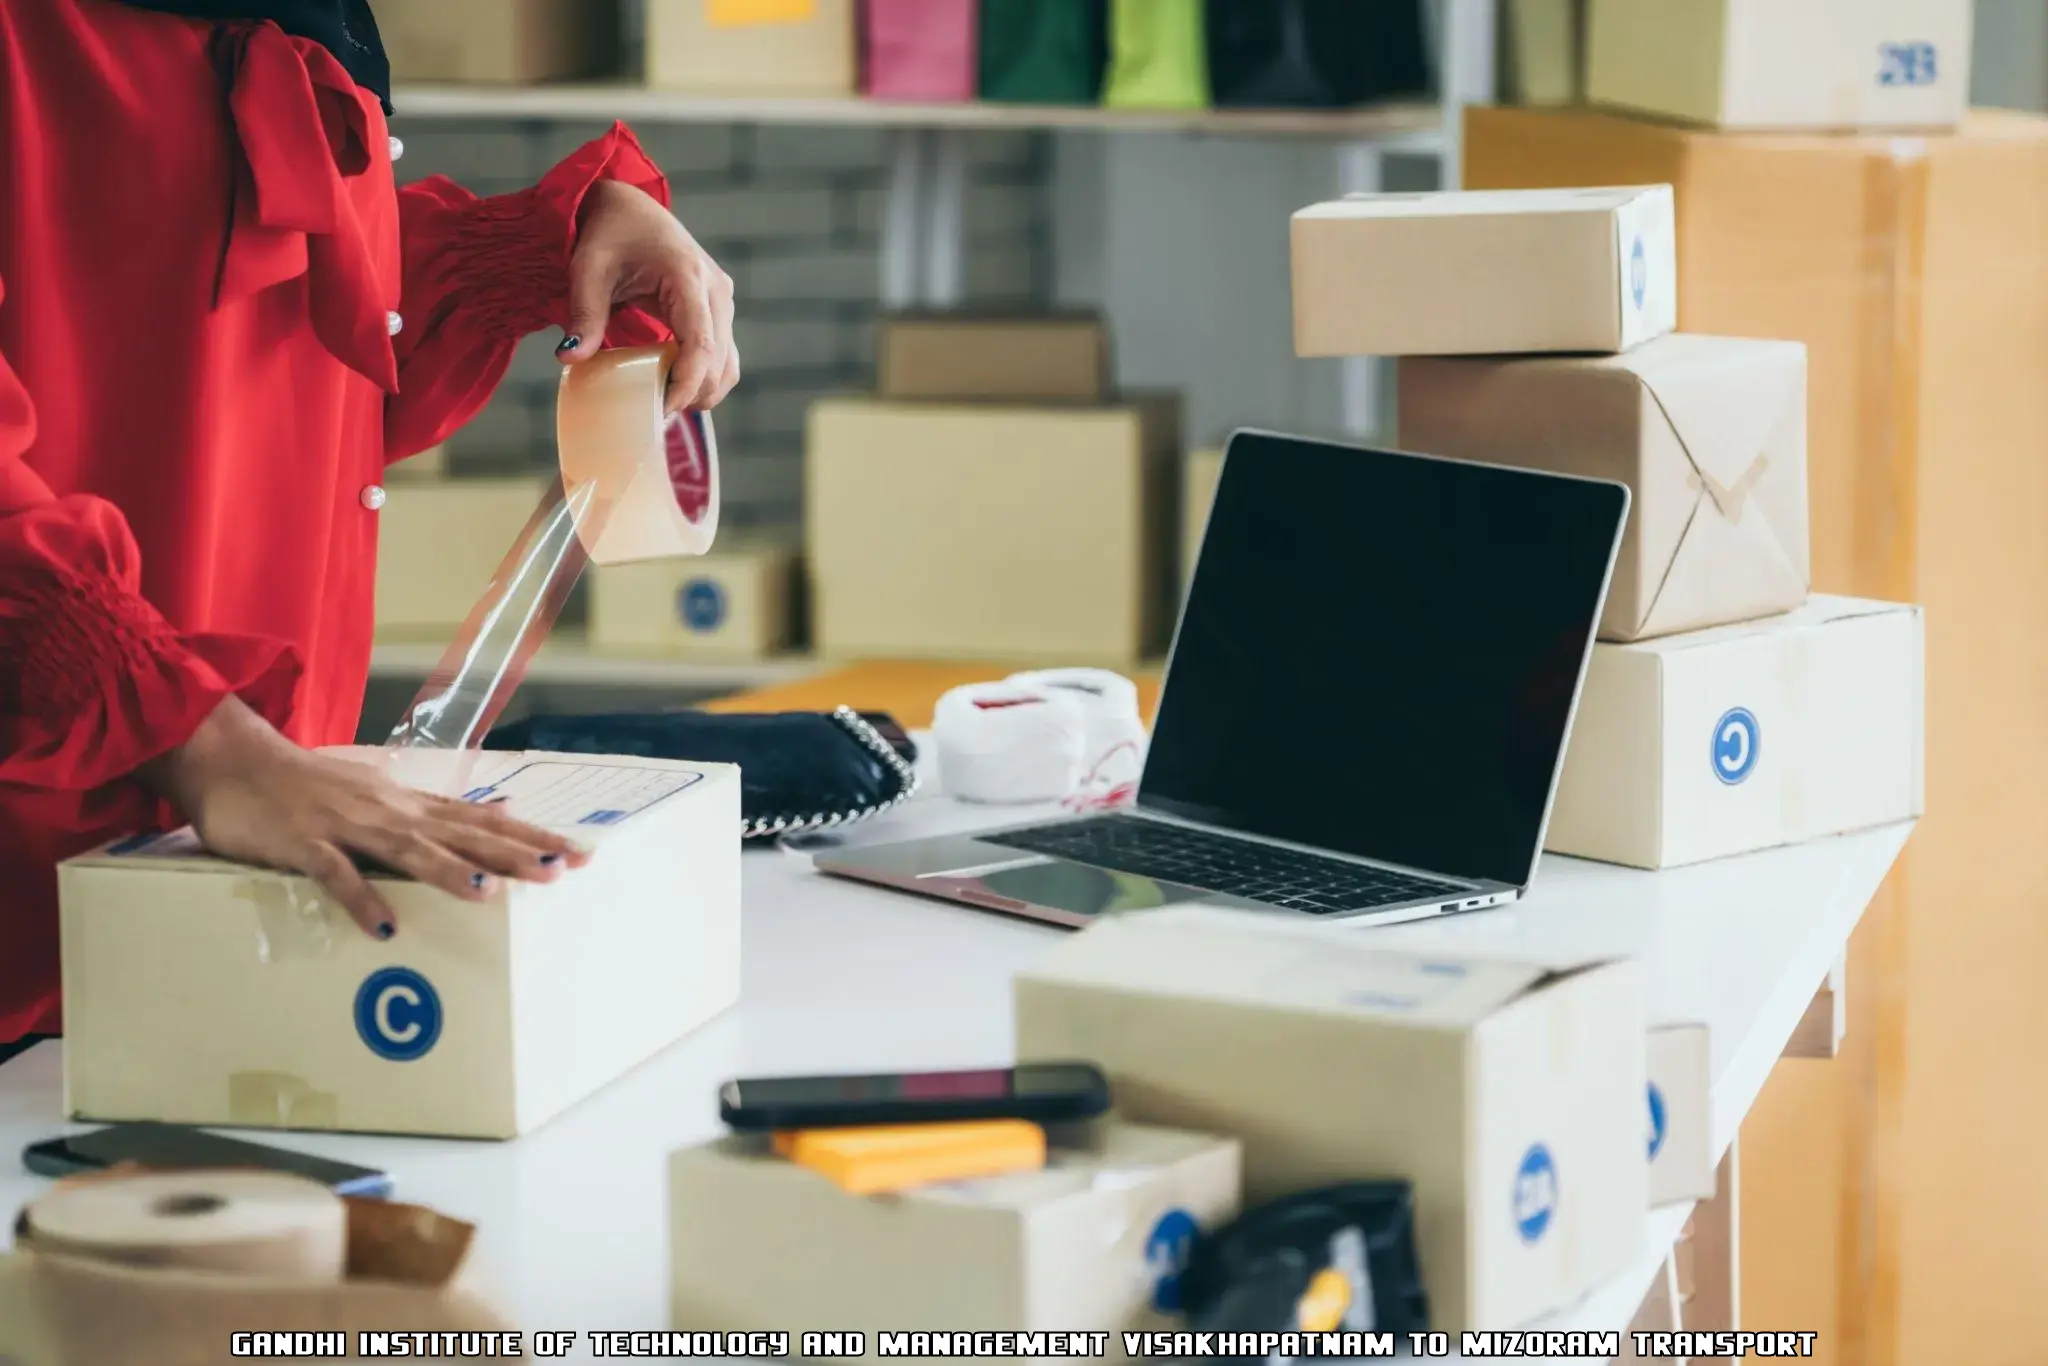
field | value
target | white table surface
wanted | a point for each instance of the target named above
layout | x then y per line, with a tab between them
842	977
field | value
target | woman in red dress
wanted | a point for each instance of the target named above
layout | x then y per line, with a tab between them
219	321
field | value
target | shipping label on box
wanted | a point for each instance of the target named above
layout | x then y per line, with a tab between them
1092	1243
735	602
1746	737
1509	1095
1784	64
199	991
1681	1114
1709	433
1485	273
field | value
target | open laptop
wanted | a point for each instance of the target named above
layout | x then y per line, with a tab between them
1365	709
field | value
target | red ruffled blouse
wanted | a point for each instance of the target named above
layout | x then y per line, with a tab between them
219	320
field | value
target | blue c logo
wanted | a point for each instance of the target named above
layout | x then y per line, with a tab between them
701	605
1639	273
1167	1249
1656	1121
1737	740
398	1014
1535	1193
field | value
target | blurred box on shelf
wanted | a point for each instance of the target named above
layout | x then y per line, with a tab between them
991	532
920	51
1016	358
1519	1118
1542	51
746	47
439	543
1198	493
198	991
1910	268
428	466
1747	737
499	42
1709	433
1783	64
1682	1163
736	602
1088	1244
1465	273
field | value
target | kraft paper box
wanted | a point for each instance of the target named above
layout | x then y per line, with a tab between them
429	465
439	543
992	533
1746	737
1465	273
499	42
736	603
1511	1096
1087	1245
1542	51
1047	359
1783	64
1197	496
728	47
1682	1165
1709	433
198	991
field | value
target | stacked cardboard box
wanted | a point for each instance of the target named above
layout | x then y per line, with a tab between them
439	541
994	501
499	42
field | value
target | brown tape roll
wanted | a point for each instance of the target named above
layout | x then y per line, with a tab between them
240	1223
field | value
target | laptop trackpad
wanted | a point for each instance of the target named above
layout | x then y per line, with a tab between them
1073	887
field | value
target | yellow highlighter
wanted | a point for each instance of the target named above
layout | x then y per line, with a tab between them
892	1158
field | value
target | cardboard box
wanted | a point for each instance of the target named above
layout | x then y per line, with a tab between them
439	543
1681	1114
715	47
1087	1245
499	42
1484	274
1783	64
1510	1096
1709	433
1746	737
736	602
430	465
198	991
1047	359
1198	495
1542	51
992	533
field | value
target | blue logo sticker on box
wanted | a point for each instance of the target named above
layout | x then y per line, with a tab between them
1167	1249
1908	64
1535	1193
398	1014
1657	1121
1639	273
1738	740
701	605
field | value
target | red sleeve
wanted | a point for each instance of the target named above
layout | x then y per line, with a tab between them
96	683
482	273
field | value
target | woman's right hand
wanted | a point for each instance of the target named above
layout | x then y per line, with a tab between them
254	796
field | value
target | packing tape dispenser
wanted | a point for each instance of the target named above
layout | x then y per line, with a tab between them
635	483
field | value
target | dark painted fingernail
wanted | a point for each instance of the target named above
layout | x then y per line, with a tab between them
386	930
550	860
568	344
476	880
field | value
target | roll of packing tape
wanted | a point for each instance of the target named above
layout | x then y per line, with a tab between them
1115	751
239	1223
654	475
1009	743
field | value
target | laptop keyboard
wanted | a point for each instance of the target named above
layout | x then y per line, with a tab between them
1221	863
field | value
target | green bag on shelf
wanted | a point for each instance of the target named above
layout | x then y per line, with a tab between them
1043	51
1158	55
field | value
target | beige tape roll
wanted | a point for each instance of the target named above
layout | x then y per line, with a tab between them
652	476
241	1223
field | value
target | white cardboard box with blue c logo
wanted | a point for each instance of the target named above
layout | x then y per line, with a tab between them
199	991
1095	1242
1510	1095
1747	737
1678	1111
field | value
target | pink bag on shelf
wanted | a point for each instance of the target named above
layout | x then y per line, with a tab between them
921	50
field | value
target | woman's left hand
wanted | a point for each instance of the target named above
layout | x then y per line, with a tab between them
632	251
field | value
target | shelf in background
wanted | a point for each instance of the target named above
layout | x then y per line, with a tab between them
567	662
1419	123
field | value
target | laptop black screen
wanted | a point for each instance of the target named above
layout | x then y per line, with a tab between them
1380	654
